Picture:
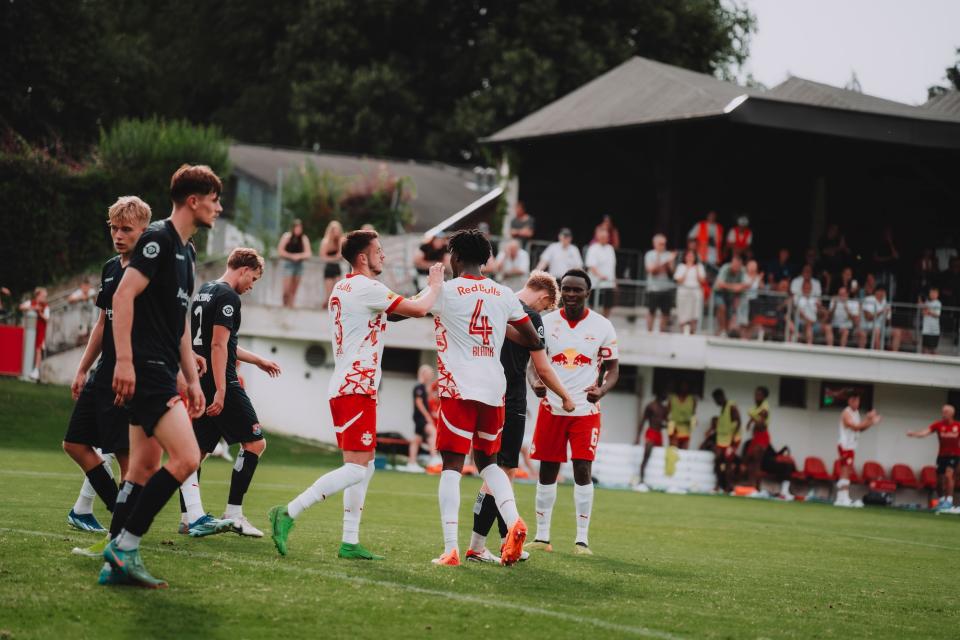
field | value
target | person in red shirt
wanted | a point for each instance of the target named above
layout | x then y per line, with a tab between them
38	303
948	456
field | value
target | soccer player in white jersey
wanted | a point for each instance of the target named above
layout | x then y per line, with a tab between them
850	427
471	316
359	306
582	347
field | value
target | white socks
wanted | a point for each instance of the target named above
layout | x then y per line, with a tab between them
353	498
785	488
546	497
191	497
126	541
327	485
449	507
843	491
233	511
502	491
583	501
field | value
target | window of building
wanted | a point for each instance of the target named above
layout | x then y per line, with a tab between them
834	394
793	392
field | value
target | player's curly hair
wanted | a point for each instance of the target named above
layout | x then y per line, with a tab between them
245	257
470	246
578	273
543	281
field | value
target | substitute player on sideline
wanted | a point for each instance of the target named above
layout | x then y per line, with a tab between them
214	325
582	347
470	319
150	332
96	421
850	427
359	306
539	294
948	453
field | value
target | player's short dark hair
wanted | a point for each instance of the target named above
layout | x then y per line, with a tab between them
578	273
764	391
355	243
470	246
245	257
854	393
193	180
717	394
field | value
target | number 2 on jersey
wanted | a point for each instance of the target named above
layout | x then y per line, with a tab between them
480	324
198	311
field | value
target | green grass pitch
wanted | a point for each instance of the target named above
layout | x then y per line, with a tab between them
665	566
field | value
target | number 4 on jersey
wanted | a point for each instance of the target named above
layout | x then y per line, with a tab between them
480	324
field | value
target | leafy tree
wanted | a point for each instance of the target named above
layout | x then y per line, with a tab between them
953	77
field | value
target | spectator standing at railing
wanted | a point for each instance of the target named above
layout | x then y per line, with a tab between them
740	239
601	263
614	233
512	265
658	263
432	251
38	303
781	268
753	279
876	313
523	226
843	316
330	253
930	325
293	248
806	308
728	291
806	275
560	256
708	235
691	279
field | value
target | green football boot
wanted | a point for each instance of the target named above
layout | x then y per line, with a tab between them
93	551
356	552
281	524
130	565
111	577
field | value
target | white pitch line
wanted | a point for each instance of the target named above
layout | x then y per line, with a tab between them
643	632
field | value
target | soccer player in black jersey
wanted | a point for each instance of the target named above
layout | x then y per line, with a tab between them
96	421
214	324
541	293
150	333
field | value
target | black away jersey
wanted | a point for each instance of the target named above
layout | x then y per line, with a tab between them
216	303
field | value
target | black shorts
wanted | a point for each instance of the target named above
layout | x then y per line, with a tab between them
512	438
662	300
237	422
947	461
155	393
930	342
606	297
331	270
420	428
97	422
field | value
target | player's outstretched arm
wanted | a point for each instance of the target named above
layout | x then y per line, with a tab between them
420	305
188	366
921	433
90	353
269	366
131	285
549	378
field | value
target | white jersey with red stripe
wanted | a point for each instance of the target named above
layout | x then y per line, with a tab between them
358	315
470	316
849	437
576	351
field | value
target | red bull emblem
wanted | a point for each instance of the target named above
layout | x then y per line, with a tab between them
571	359
581	360
560	358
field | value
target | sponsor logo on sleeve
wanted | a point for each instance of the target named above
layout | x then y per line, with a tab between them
228	310
151	250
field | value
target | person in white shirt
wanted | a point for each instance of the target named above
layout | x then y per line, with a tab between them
806	308
582	348
876	312
561	256
601	264
753	278
690	278
658	263
850	427
513	265
806	275
471	315
930	327
359	307
844	317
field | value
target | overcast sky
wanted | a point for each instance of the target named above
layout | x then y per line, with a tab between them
897	47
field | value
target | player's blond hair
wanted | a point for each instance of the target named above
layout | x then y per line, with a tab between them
245	257
543	281
129	210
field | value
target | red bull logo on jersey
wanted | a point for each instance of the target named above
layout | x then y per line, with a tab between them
571	359
479	288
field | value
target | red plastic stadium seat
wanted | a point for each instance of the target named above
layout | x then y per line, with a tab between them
854	478
928	477
814	469
903	476
874	475
797	474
